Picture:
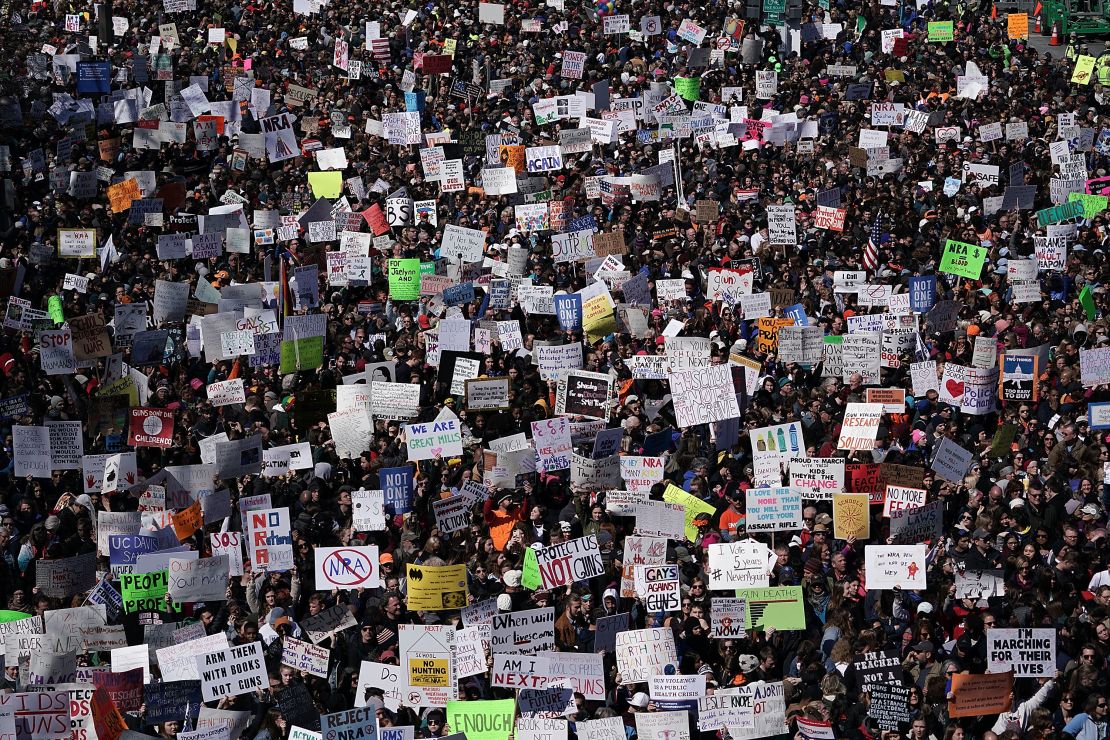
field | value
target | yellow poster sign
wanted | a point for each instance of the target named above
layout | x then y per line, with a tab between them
767	339
1084	68
429	672
436	587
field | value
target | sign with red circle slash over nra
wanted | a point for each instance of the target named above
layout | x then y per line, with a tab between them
347	568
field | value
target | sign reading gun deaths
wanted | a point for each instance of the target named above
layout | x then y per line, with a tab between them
347	568
577	560
1029	653
703	395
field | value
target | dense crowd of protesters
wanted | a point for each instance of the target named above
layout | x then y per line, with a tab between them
1034	508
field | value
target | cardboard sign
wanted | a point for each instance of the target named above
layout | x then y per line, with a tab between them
980	695
231	672
151	428
851	515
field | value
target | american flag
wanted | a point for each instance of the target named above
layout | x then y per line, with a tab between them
871	251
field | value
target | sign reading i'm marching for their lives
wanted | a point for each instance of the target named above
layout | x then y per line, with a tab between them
1029	653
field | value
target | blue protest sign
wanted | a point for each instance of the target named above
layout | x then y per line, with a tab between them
125	549
396	483
94	78
798	313
923	293
568	308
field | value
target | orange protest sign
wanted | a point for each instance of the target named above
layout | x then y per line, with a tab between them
513	156
188	521
1017	25
979	695
106	717
121	194
219	123
767	340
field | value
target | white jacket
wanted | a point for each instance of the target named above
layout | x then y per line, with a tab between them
1018	719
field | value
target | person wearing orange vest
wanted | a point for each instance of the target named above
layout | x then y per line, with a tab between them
503	518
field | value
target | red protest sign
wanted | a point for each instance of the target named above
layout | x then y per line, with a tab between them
375	219
150	428
435	64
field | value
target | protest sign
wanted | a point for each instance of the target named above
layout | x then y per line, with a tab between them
860	427
349	724
921	524
525	632
962	259
644	653
203	579
268	539
237	670
773	509
304	656
817	477
347	568
851	516
975	695
899	498
890	705
575	560
1028	653
895	566
873	669
433	587
779	607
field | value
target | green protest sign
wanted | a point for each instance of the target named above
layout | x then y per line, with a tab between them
1087	300
482	720
778	606
1062	212
688	88
963	259
54	307
530	573
404	279
145	592
941	31
1092	204
301	354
